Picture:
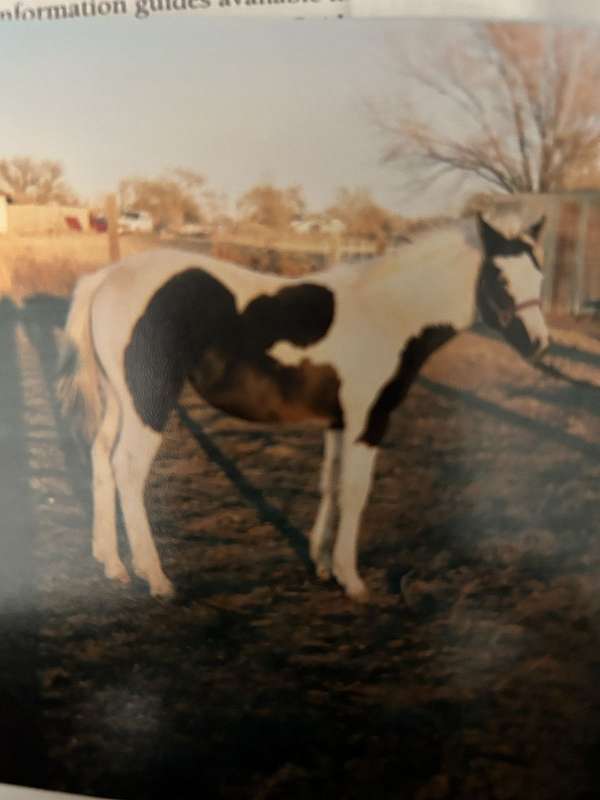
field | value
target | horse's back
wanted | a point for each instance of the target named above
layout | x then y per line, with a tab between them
160	321
142	274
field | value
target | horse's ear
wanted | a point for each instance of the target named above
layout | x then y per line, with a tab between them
536	229
493	241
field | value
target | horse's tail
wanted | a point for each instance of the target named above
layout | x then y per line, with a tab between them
78	385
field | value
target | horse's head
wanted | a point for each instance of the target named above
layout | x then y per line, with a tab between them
509	289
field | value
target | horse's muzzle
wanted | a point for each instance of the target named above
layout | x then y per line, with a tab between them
539	350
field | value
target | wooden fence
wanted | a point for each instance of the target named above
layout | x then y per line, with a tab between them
326	250
571	248
572	259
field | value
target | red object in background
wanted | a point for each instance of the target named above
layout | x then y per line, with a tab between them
73	223
99	224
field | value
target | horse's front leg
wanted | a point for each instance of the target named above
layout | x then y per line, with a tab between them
322	534
358	462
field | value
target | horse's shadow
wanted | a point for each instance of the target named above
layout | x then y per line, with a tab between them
43	317
568	398
44	313
577	355
248	491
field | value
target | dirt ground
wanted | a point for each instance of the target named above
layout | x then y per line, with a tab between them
473	672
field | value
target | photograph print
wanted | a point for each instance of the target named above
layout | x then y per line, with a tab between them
300	379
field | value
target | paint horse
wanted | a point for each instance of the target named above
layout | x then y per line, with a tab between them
341	347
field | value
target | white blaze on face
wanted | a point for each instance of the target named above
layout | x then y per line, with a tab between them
524	283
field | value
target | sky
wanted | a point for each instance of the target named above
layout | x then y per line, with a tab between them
241	102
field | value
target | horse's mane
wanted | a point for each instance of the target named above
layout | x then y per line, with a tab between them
445	242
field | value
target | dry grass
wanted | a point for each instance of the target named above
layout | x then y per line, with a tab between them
53	263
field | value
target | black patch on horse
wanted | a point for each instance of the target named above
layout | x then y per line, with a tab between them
298	314
415	354
191	329
494	301
498	310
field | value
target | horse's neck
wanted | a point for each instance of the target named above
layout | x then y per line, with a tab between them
426	283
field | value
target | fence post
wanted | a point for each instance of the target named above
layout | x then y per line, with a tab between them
113	232
215	249
580	253
336	250
550	252
3	214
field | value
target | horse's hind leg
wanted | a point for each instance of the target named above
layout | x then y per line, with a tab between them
358	462
105	547
132	460
322	534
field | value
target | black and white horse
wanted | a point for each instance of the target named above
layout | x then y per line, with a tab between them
341	347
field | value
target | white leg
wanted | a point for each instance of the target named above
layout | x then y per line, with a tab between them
321	537
358	461
132	460
105	523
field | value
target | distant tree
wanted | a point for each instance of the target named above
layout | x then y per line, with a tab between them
41	182
274	208
480	202
189	179
214	205
171	200
515	106
361	215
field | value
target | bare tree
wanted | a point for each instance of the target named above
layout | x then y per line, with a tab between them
274	208
171	200
215	206
516	106
361	215
40	182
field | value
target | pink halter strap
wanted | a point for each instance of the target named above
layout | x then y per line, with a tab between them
528	304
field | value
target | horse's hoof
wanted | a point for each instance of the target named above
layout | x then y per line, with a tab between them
323	570
114	569
117	572
162	589
358	592
101	554
160	585
355	587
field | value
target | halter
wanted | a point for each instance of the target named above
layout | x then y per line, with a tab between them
506	316
528	304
